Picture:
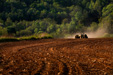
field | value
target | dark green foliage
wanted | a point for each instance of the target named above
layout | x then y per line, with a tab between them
11	30
47	37
56	17
24	38
8	39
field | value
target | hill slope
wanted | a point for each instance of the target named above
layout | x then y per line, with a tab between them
56	17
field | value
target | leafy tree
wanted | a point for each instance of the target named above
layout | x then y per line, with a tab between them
64	21
2	5
8	22
43	13
4	31
32	13
24	33
0	30
51	28
93	27
78	15
107	21
108	10
84	3
54	16
20	26
91	6
11	30
36	30
72	27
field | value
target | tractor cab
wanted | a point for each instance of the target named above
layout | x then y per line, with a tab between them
81	36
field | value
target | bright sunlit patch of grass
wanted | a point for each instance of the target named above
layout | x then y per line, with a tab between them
8	39
106	35
33	37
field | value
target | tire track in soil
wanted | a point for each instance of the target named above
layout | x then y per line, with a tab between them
64	69
27	48
39	69
67	69
54	58
46	72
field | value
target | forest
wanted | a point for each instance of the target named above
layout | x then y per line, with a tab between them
55	17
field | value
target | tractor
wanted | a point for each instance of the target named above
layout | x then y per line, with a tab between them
81	36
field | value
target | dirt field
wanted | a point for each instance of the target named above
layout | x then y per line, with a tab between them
57	57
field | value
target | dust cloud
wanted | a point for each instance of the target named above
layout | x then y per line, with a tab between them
91	34
96	34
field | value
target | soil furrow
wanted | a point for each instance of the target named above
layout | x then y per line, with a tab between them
57	57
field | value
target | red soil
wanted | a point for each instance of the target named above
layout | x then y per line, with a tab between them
57	57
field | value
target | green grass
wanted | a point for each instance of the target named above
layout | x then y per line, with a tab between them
27	38
8	39
107	35
11	39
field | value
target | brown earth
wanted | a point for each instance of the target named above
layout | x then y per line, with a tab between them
57	57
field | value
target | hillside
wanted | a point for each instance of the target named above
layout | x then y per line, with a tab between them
55	17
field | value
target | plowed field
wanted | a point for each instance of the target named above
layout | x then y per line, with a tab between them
57	57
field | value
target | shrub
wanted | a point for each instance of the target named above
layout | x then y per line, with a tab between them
8	39
108	35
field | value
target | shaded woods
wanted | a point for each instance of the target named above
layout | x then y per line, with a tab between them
55	17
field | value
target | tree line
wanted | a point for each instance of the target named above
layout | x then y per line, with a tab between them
55	17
